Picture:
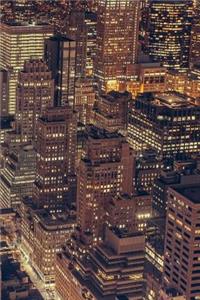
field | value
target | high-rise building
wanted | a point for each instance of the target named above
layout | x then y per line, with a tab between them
17	175
170	23
77	31
42	236
195	36
117	41
4	78
35	92
105	170
84	99
60	55
182	251
129	213
166	122
56	153
148	168
112	270
91	27
20	42
111	110
186	83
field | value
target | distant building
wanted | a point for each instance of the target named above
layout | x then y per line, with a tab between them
129	213
117	41
170	25
91	27
60	55
76	30
195	36
111	111
35	91
19	42
84	99
4	80
17	175
148	168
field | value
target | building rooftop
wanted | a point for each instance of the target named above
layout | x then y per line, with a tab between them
192	192
61	37
172	100
100	133
112	96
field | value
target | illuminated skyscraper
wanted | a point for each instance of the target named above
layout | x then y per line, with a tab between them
35	92
55	165
170	23
76	30
19	42
60	55
18	175
105	171
117	40
182	250
195	36
3	93
166	122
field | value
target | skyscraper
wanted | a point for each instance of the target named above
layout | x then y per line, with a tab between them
182	250
112	270
18	175
117	40
35	92
195	36
167	122
4	93
56	152
76	30
170	23
105	170
60	55
20	42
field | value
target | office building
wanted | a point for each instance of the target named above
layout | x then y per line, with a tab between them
4	79
56	152
60	55
186	83
146	77
91	27
170	24
148	168
42	236
184	172
176	81
84	99
166	122
17	175
129	213
117	41
77	31
35	92
20	42
111	269
192	83
182	255
111	110
195	37
105	170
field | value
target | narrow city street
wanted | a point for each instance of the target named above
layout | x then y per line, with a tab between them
47	293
